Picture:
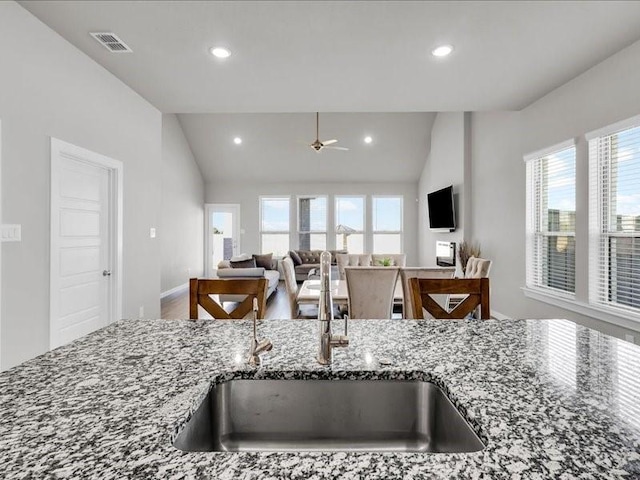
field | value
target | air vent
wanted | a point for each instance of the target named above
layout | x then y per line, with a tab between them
111	42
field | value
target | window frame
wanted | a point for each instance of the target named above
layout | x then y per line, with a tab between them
600	234
362	232
261	218
374	232
535	234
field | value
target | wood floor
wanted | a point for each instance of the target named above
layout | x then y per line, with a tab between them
177	305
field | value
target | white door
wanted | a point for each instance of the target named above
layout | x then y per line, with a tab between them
222	232
82	259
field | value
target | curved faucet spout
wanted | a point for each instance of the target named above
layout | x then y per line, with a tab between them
325	314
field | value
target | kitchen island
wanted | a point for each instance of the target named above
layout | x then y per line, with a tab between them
548	398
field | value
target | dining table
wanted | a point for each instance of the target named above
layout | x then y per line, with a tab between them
309	292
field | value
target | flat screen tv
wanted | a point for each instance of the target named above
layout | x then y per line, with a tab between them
442	215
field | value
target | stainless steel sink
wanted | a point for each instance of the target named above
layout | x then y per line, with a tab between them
327	415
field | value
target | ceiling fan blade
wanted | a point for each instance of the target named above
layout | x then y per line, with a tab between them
329	142
338	148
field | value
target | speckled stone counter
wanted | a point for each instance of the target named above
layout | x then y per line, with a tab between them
549	398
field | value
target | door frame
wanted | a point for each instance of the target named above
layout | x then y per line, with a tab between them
208	248
1	369
115	168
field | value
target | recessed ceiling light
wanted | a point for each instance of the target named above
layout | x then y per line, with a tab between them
368	139
442	51
220	52
237	140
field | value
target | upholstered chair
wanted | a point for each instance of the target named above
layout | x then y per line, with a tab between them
422	272
291	285
289	271
351	260
477	268
371	291
397	259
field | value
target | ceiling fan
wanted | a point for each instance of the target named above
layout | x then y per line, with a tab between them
317	145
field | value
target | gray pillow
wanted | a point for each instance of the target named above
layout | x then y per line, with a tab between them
263	261
249	263
295	257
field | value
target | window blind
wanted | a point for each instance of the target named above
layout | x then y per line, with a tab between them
614	218
551	219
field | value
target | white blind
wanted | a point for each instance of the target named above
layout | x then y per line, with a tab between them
614	219
551	220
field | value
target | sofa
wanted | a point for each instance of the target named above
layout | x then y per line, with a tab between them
227	270
306	260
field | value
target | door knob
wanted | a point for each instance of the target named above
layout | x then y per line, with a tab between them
106	273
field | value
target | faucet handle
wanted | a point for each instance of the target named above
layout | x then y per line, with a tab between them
341	340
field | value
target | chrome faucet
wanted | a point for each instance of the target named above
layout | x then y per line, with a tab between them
328	341
257	347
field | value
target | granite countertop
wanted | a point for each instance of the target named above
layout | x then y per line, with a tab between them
549	398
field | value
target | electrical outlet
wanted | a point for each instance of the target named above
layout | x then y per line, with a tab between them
141	312
629	338
11	233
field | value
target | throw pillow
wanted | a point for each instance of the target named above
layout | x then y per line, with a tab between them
263	261
334	255
295	257
249	263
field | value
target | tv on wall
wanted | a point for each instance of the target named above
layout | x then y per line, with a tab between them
442	215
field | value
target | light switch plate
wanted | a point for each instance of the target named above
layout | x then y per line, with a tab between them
152	232
11	233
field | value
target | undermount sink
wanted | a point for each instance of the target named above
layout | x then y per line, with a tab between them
327	415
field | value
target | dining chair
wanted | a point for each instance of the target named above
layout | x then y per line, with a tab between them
476	268
475	289
200	291
291	285
422	272
371	291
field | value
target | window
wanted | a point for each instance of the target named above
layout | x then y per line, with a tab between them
387	224
551	219
614	216
350	223
274	225
312	223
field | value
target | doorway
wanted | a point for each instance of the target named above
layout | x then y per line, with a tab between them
222	234
86	242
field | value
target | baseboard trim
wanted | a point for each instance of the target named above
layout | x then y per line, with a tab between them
178	289
499	316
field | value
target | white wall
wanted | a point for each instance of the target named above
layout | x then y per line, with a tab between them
247	195
444	166
49	88
182	221
607	93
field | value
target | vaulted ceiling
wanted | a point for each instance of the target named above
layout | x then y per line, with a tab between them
345	56
275	146
292	58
